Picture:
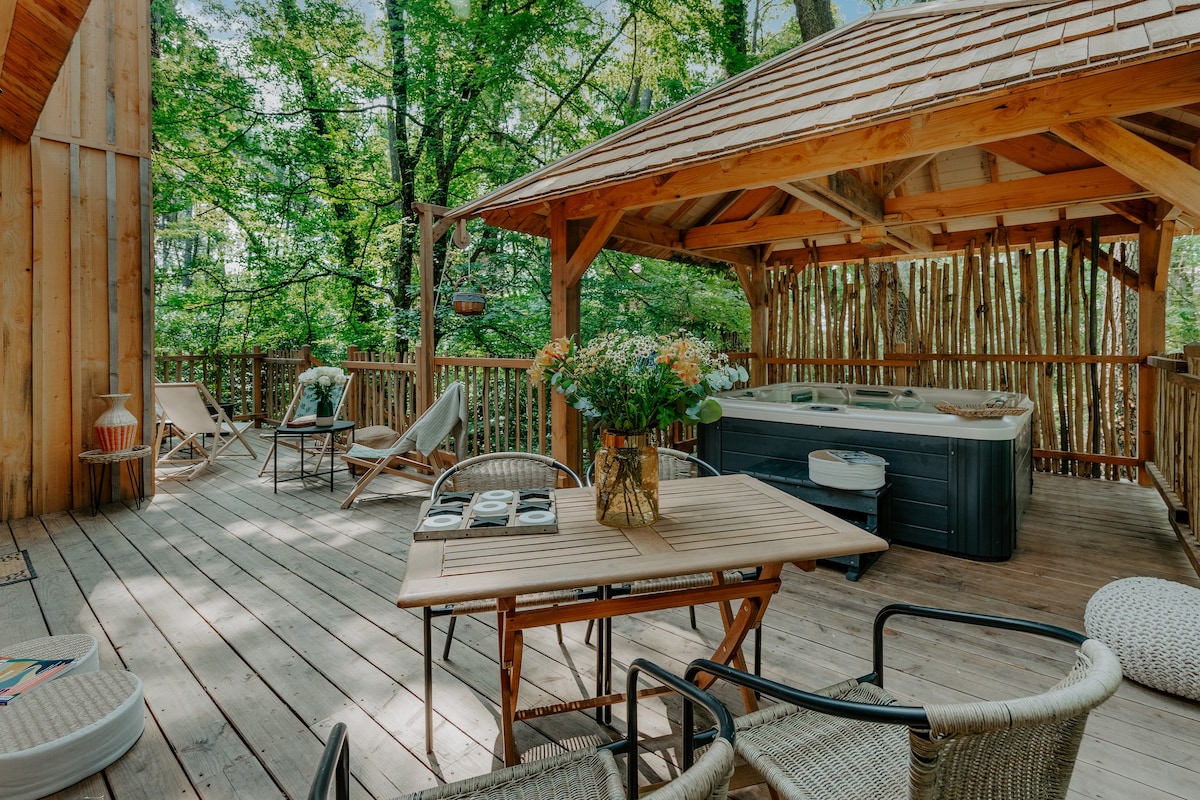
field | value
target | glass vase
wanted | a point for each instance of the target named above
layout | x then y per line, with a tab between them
116	427
325	416
626	480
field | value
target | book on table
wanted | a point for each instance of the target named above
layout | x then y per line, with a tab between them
19	675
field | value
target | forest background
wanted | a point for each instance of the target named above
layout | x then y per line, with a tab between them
291	138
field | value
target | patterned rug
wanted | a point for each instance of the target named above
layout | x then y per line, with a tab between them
15	567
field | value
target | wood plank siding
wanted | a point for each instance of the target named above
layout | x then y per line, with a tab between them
75	271
257	620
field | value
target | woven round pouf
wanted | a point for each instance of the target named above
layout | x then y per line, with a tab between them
79	646
1153	626
66	729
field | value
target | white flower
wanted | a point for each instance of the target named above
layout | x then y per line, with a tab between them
323	376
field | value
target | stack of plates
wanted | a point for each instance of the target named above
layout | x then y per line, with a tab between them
846	469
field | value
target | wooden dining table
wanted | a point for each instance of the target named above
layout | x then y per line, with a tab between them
706	525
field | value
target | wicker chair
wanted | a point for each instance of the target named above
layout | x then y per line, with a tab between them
590	773
504	470
855	740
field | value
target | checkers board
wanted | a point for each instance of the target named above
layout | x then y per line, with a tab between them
499	512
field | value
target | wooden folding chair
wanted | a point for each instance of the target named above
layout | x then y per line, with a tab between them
190	411
417	454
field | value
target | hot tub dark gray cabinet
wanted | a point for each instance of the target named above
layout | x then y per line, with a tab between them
959	496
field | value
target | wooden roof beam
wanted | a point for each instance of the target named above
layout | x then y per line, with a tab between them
1138	88
1019	236
1094	185
907	216
814	198
639	230
847	190
894	173
1131	155
762	230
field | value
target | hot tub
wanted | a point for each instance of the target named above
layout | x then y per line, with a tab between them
958	485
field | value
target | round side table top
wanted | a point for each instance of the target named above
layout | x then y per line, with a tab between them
101	457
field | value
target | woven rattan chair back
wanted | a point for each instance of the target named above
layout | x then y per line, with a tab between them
855	739
505	470
1012	748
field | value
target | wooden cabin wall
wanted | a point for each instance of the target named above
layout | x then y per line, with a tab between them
950	322
75	265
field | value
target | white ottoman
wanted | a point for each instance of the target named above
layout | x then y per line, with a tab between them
1153	626
67	729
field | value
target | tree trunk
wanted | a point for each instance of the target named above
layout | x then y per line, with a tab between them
815	17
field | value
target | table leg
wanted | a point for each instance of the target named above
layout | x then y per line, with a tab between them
511	642
275	460
427	637
96	484
737	628
133	467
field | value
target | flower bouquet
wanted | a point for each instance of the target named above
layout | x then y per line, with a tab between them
322	381
633	384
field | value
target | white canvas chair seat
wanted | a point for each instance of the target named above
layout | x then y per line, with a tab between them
205	431
304	406
416	455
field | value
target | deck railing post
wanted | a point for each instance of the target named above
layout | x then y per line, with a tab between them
256	370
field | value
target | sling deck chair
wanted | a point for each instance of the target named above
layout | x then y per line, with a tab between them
302	409
190	411
446	417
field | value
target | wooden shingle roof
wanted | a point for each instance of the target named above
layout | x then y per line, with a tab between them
918	123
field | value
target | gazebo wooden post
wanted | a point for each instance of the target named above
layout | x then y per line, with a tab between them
1154	256
572	248
430	232
566	425
759	324
754	286
425	351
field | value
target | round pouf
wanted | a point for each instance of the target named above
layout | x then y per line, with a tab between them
79	646
1153	626
67	729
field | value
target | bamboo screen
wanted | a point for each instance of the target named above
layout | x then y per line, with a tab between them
1050	322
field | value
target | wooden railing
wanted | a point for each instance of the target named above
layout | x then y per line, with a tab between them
508	412
1175	469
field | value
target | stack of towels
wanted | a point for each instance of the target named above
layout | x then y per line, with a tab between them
846	469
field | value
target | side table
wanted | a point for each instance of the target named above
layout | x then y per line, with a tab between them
99	466
311	430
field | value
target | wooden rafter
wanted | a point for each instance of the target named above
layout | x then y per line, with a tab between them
1133	156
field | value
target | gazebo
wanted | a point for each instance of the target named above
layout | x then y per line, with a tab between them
979	135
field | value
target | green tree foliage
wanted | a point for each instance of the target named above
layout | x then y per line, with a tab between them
1183	293
293	136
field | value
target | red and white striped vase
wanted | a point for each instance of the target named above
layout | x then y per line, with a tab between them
116	428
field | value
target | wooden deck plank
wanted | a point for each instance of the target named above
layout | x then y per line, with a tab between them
257	619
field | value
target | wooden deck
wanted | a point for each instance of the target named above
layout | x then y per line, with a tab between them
257	620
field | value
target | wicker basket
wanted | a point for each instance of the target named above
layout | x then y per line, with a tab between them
467	301
977	410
